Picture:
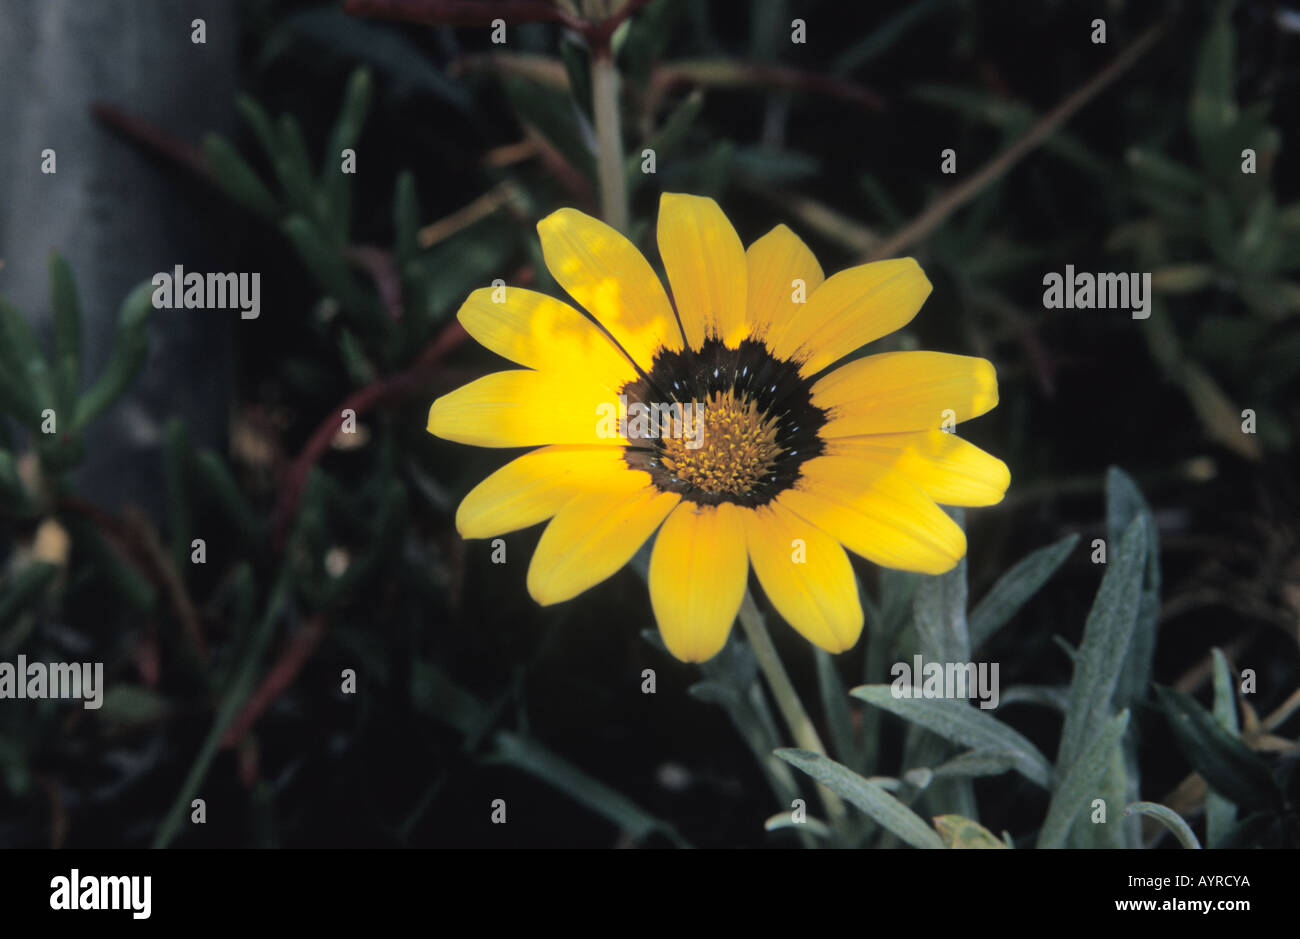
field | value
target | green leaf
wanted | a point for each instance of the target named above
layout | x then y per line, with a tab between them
12	490
23	589
29	388
1124	503
814	826
667	138
1050	696
406	219
355	39
577	66
67	333
836	707
884	36
1015	588
1213	107
330	270
1154	168
978	763
435	694
1230	767
240	688
1078	786
130	349
1220	813
237	179
293	167
260	123
1106	634
868	796
551	113
1169	818
964	725
215	480
536	759
133	705
939	616
344	136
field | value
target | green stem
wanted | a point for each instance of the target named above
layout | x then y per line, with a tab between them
787	699
609	140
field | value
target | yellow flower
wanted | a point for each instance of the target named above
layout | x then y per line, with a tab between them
784	469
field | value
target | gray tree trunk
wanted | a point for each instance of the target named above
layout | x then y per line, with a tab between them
117	215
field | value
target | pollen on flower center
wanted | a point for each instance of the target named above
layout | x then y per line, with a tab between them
750	423
737	446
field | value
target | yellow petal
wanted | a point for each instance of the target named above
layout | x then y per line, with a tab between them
697	578
780	266
951	471
886	518
853	308
594	534
705	262
611	280
541	332
905	391
524	409
806	575
533	487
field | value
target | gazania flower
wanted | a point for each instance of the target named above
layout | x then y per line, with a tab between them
795	461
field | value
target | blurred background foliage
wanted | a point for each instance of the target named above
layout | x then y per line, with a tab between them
326	551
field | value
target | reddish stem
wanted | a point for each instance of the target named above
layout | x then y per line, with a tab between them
296	653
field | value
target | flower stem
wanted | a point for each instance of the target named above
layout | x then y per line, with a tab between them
609	140
787	699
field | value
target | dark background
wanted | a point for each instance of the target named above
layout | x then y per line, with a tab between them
1081	390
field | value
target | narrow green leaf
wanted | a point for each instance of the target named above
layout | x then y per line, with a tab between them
29	384
1213	106
1015	588
536	759
884	36
237	179
130	349
235	696
964	725
12	490
334	183
406	219
260	123
1220	813
1078	785
977	763
67	332
1229	766
215	480
330	270
293	166
133	705
1106	634
878	804
814	826
1051	696
835	704
24	588
1169	818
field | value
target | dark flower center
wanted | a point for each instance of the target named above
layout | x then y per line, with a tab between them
735	425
